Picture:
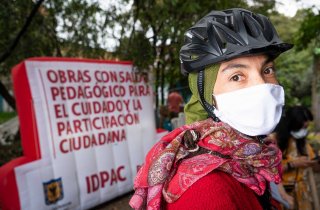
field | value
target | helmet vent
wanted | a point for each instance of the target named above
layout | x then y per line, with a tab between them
192	55
269	31
252	26
230	22
200	33
259	19
220	20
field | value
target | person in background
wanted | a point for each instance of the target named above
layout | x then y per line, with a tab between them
278	194
175	104
280	197
298	155
171	110
221	158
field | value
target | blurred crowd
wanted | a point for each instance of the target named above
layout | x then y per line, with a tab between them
299	160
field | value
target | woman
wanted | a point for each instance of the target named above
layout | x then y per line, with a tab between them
220	159
291	135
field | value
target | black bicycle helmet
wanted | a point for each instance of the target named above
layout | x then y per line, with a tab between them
223	35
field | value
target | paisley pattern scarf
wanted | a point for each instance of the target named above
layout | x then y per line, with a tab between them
169	171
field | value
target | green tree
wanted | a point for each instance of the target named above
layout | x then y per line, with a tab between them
81	24
293	67
309	35
60	28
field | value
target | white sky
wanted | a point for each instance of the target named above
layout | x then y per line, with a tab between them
290	7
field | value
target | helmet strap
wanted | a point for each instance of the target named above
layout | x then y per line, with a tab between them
208	107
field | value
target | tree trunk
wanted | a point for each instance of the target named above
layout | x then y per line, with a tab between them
156	87
7	96
162	85
161	68
316	91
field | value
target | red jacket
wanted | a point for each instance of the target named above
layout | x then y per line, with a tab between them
217	190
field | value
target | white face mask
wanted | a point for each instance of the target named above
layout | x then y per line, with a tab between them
253	111
302	133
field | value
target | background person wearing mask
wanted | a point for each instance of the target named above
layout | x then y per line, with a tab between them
220	159
298	155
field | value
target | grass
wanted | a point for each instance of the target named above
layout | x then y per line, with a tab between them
5	116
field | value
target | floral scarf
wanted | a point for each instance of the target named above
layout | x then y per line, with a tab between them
169	171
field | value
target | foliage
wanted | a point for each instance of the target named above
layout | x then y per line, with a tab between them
80	24
76	20
12	17
264	7
293	67
5	116
12	149
294	73
309	30
137	48
309	35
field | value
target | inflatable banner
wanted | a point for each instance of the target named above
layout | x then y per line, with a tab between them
86	126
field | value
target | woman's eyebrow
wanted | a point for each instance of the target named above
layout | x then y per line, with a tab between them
238	65
234	66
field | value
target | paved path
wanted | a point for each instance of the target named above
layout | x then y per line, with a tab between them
8	128
120	203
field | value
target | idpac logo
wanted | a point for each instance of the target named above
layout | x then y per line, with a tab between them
53	191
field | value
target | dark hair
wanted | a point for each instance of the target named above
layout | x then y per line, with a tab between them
293	120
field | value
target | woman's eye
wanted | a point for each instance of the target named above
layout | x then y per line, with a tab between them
236	78
269	70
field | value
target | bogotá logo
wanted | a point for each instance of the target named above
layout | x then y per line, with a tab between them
53	191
